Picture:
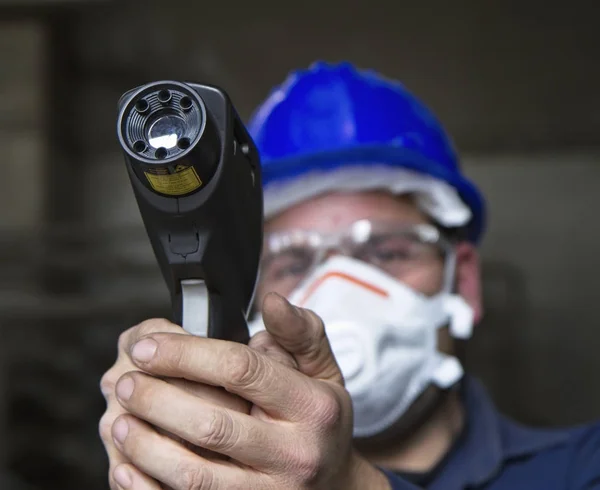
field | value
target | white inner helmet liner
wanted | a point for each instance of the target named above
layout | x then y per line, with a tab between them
434	197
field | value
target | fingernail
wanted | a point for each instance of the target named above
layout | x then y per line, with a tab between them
120	430
123	477
144	350
125	388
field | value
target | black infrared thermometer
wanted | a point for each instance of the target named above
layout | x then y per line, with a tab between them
195	173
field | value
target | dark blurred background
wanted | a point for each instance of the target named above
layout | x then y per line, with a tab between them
516	83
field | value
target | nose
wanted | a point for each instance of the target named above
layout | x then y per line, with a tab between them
331	252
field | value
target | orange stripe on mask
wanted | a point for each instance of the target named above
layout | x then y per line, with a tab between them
341	275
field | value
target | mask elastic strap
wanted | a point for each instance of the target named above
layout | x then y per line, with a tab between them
461	314
449	271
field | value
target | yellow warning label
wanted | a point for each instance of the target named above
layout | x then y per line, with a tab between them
184	180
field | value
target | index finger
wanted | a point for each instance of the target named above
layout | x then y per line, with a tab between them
280	390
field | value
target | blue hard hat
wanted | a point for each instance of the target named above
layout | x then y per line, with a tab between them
334	115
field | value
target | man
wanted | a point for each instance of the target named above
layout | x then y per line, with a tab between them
371	231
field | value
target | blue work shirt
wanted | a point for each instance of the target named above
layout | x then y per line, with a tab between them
497	453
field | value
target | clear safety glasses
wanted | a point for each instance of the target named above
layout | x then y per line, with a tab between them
397	249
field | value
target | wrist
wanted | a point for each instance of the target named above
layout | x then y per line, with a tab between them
364	475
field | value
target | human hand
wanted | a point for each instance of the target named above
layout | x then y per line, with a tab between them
124	364
297	435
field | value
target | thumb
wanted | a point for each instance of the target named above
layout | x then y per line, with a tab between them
302	333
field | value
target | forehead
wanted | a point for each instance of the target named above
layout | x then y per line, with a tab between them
335	210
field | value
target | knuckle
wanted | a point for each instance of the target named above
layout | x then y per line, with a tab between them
109	380
307	465
245	368
328	410
154	325
260	340
172	354
105	429
196	479
108	383
146	327
220	433
124	339
264	343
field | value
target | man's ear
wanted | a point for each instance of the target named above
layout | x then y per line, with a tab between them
468	277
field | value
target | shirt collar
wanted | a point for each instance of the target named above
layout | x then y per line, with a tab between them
491	440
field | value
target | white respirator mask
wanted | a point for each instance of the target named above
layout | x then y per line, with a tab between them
383	335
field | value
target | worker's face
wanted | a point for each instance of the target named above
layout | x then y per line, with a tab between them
335	212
